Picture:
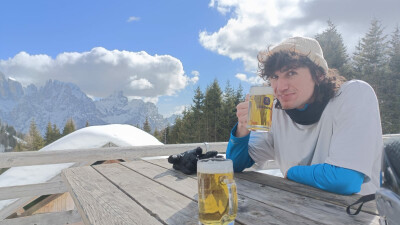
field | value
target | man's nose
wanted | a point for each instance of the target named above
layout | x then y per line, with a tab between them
281	85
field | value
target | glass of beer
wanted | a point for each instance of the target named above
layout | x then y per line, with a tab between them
217	191
260	108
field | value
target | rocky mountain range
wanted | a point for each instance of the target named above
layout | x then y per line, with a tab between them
56	102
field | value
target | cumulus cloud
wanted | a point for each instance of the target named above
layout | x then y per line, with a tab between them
252	27
254	80
133	18
99	72
195	77
255	25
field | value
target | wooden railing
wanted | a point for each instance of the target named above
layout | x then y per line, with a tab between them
82	156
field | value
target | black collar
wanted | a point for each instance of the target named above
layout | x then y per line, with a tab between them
310	115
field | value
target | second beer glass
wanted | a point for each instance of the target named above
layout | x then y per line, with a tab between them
217	192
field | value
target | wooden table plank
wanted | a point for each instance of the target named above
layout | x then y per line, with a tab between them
311	208
297	188
301	189
252	211
315	209
59	218
161	201
99	202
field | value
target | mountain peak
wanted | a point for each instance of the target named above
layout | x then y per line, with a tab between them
57	101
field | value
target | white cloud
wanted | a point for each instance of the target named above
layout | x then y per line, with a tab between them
133	18
141	83
195	77
252	27
255	25
255	80
99	72
195	73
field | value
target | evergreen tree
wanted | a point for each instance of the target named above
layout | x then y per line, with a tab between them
239	95
370	55
394	51
175	132
212	111
371	61
228	119
157	134
87	123
146	125
33	139
391	120
331	42
165	135
198	115
49	136
56	133
69	127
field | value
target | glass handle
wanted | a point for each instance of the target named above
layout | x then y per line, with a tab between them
230	183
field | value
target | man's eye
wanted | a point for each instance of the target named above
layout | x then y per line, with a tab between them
291	73
273	77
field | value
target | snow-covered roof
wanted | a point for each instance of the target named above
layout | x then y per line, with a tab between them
88	137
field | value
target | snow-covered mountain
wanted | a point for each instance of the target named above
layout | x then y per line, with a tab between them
56	102
117	109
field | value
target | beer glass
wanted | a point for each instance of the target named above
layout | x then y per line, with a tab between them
217	191
259	116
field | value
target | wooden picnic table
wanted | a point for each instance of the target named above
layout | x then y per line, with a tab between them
151	192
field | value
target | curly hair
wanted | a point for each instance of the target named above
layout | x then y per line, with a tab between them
326	83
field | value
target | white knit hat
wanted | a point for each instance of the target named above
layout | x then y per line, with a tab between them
305	46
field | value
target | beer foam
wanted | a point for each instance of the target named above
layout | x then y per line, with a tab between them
215	166
261	90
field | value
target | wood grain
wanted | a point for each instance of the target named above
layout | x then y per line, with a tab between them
101	203
59	218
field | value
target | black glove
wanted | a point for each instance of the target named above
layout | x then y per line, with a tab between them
187	161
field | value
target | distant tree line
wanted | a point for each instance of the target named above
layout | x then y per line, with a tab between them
209	119
8	137
376	60
33	141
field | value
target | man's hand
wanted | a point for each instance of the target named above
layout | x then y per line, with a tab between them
242	110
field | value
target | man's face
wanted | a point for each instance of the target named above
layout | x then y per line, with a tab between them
293	87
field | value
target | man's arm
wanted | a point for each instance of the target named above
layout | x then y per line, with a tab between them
238	151
328	177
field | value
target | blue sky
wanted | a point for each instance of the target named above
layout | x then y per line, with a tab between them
160	50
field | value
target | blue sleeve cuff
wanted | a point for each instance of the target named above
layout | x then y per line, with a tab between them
328	177
238	151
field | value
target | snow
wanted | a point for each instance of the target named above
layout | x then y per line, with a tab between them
89	137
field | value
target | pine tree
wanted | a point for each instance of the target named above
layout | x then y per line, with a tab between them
146	125
69	127
335	52
228	111
239	95
87	123
33	139
370	55
56	133
157	134
49	136
165	134
371	61
212	111
198	115
391	117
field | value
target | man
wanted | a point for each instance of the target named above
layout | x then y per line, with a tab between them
324	134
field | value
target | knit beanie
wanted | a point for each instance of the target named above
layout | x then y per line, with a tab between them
308	47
